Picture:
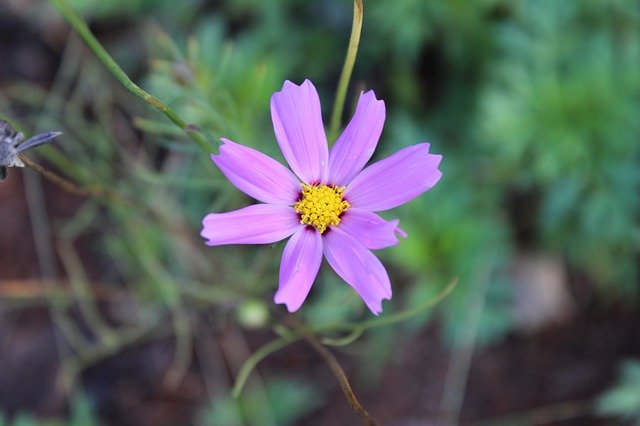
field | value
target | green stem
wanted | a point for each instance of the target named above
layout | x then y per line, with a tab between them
81	28
290	337
341	93
410	313
256	357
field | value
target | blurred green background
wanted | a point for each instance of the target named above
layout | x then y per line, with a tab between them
534	106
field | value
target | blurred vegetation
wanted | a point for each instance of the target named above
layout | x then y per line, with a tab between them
81	414
287	400
622	400
529	99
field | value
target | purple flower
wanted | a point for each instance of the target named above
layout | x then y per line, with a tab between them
328	204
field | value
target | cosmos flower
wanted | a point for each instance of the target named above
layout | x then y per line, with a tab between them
327	203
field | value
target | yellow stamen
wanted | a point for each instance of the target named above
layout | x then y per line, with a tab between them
321	205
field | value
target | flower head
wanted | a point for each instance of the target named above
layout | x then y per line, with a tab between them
327	203
12	144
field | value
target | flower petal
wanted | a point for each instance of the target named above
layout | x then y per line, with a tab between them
370	229
256	224
301	261
395	180
358	141
257	174
360	268
297	122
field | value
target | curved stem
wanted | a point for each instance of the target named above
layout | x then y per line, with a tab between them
410	313
81	28
341	93
72	188
289	337
256	357
337	370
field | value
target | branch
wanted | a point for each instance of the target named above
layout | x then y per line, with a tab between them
337	370
81	28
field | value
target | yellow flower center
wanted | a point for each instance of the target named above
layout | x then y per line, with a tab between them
321	205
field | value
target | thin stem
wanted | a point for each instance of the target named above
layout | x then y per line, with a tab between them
90	355
410	313
256	357
72	187
81	28
84	296
337	370
42	237
234	346
182	353
463	349
289	337
349	61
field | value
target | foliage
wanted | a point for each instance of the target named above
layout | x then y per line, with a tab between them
622	400
537	97
558	114
287	400
81	414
